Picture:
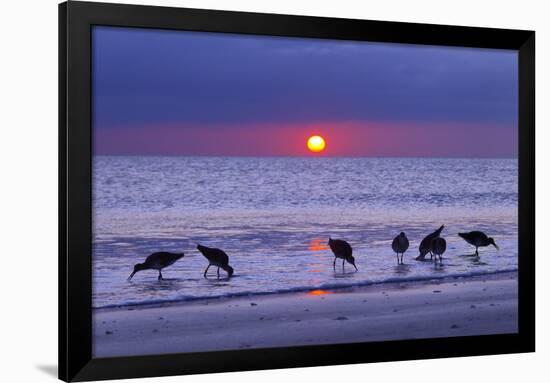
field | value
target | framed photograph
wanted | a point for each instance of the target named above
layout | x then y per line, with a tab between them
246	191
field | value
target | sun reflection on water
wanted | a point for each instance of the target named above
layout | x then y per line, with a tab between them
318	244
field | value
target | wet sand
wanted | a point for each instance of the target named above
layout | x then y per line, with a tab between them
459	307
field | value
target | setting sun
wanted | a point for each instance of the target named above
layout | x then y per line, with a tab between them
316	144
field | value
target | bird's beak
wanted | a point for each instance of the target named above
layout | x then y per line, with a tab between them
131	275
495	245
356	269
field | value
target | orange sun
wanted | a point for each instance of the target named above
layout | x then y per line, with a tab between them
316	144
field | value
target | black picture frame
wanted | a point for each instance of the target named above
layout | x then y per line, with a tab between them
75	199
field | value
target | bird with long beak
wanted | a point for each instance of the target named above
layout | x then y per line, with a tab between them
157	261
426	244
216	257
478	239
341	249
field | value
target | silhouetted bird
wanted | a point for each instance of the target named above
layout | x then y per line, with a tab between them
425	245
216	257
438	247
400	244
157	261
478	239
342	250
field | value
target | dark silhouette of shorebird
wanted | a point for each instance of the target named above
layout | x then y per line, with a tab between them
342	250
438	247
216	257
157	261
478	239
400	244
425	246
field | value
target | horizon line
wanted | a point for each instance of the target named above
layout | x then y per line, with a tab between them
301	156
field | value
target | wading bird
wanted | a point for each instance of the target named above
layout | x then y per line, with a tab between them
342	250
157	261
438	247
400	244
478	239
216	257
425	245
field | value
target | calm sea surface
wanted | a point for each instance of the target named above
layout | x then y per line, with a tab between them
273	217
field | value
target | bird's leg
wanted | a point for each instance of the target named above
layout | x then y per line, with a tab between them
205	271
334	264
397	258
218	273
431	256
343	263
160	275
401	258
477	252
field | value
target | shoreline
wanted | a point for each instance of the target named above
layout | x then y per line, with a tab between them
333	288
459	306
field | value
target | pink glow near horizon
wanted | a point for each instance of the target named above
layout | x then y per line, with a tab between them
353	139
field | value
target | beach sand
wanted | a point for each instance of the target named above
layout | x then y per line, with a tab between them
452	307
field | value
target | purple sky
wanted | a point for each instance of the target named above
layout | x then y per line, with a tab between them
191	93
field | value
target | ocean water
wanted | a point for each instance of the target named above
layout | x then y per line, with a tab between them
273	217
